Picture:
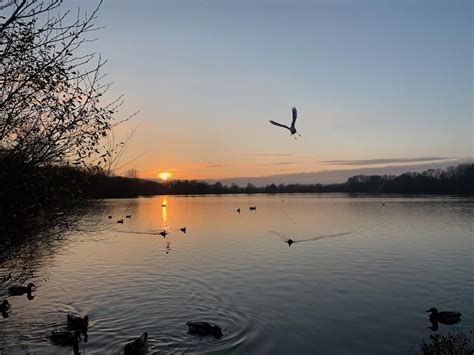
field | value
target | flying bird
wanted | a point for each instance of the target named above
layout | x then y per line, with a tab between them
292	128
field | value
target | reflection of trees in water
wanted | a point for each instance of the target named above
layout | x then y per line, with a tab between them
27	245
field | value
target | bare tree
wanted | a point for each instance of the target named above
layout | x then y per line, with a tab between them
131	173
51	109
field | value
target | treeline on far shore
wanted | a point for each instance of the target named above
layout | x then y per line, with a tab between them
453	180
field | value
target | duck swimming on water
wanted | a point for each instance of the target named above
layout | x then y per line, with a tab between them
204	329
66	339
20	290
445	317
138	346
5	306
76	322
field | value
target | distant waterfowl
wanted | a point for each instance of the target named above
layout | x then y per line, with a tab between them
291	128
120	221
128	216
290	241
204	329
163	205
109	217
445	317
20	290
164	233
253	208
138	346
183	229
76	322
238	210
5	306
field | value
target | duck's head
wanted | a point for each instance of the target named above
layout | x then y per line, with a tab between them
5	304
30	286
432	310
217	331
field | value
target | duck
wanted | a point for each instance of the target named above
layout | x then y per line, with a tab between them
253	208
128	216
109	217
76	322
138	346
238	210
204	329
164	233
183	229
120	221
290	241
20	290
445	317
65	338
5	306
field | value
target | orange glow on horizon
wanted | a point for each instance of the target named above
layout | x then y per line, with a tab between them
165	175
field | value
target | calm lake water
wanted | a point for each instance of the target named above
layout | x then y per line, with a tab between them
362	289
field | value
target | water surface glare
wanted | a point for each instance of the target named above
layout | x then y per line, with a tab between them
357	280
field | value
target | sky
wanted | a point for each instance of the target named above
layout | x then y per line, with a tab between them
375	83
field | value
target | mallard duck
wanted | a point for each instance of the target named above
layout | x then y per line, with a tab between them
138	346
253	208
183	229
120	221
290	241
76	322
164	233
204	329
20	290
65	338
446	317
5	306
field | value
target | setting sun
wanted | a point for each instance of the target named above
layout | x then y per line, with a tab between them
165	175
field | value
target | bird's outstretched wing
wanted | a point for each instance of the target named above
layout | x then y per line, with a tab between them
279	124
294	116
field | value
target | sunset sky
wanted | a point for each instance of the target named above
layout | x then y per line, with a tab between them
374	82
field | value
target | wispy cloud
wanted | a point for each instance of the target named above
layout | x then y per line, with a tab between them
270	154
385	161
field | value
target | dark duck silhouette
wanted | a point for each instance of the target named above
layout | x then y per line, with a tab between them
238	210
128	216
138	346
4	307
445	317
66	339
77	323
21	290
109	217
120	221
253	208
183	229
290	241
204	329
164	233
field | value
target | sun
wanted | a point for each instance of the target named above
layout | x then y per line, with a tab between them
165	175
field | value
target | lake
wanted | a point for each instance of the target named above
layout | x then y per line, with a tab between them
358	282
